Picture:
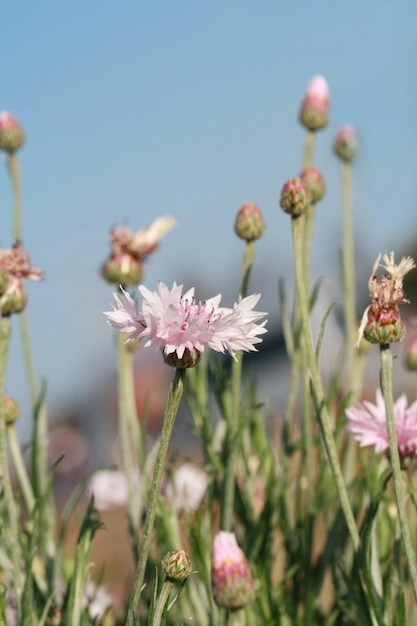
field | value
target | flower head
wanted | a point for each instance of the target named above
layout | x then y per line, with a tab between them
187	487
295	197
109	488
249	224
368	424
314	181
232	583
11	133
178	323
346	143
176	565
129	250
15	265
381	322
314	112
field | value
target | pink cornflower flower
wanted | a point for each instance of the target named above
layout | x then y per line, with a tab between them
232	583
368	424
15	261
178	324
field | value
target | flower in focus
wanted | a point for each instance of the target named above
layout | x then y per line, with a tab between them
314	113
129	250
12	136
346	143
176	565
381	322
15	265
187	487
181	326
368	424
109	488
232	583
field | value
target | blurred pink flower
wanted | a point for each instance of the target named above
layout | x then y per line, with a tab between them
232	583
367	423
15	261
175	322
140	243
109	488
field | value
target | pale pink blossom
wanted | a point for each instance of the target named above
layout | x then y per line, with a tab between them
368	424
140	243
318	88
176	322
109	488
232	583
15	261
187	487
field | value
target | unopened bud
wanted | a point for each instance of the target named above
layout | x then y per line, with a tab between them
190	358
12	136
176	565
250	224
122	269
346	143
294	197
411	355
14	299
314	112
315	183
232	583
11	409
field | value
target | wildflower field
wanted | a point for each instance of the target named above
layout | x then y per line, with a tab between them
300	514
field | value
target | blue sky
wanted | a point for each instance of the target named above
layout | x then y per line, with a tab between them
136	109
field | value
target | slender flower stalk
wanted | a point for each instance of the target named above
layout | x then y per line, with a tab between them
317	388
20	468
386	387
173	401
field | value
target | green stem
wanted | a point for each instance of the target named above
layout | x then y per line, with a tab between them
128	449
14	171
309	146
234	418
317	387
20	468
27	350
162	600
173	401
386	388
5	483
237	618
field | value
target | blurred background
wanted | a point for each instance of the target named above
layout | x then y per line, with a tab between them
134	110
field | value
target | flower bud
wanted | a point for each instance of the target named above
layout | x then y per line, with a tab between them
294	197
346	143
11	133
14	299
11	409
122	269
410	359
314	112
315	183
232	583
190	358
250	224
176	565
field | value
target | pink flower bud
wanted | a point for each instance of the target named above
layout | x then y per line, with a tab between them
411	355
314	112
11	409
346	143
11	133
232	582
295	198
315	183
122	269
250	224
14	299
176	565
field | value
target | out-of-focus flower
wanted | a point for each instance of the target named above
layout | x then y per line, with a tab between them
410	358
346	143
381	322
232	583
314	113
368	424
176	565
187	487
315	183
182	326
129	250
15	265
249	224
97	599
109	488
295	197
12	136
